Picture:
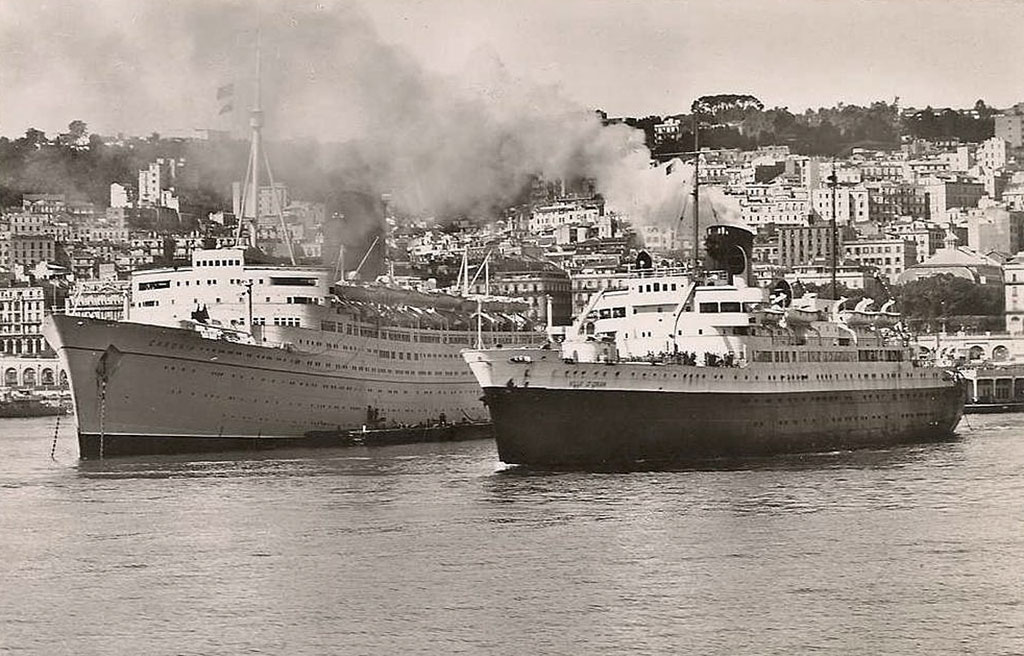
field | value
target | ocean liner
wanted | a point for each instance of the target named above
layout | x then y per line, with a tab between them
680	367
228	355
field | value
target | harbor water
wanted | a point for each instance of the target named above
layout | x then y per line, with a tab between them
439	549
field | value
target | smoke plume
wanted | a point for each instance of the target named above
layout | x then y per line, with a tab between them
442	145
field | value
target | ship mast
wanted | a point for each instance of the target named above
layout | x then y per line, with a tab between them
696	199
258	157
833	181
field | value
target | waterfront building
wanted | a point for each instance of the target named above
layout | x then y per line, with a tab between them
35	373
21	321
1013	286
99	299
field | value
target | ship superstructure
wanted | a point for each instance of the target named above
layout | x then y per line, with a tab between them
226	355
679	366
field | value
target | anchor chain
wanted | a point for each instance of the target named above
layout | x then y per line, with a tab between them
56	432
103	412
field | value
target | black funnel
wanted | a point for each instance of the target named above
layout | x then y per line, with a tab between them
730	248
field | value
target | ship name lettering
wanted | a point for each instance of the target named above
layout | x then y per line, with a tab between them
587	383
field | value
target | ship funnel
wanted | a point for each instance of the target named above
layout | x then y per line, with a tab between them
730	248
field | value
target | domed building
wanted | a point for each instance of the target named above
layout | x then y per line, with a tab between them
960	261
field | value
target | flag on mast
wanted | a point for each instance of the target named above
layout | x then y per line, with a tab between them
226	93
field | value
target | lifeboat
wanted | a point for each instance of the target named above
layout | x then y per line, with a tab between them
801	315
860	315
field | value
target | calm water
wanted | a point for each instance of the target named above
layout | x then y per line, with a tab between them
437	549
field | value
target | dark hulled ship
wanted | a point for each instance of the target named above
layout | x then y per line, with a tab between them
679	367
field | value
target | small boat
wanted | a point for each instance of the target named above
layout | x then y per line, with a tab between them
26	404
382	436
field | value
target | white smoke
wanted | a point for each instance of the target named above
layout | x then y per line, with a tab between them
442	144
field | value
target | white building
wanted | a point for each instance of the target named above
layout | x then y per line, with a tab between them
150	185
21	320
661	238
992	154
775	204
549	217
851	204
1013	285
118	195
890	255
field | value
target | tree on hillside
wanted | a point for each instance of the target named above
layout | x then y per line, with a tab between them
726	107
75	136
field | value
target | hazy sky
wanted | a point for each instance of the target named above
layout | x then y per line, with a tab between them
144	65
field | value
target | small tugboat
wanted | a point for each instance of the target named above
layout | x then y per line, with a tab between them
25	404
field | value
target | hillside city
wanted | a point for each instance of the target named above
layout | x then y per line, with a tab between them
923	206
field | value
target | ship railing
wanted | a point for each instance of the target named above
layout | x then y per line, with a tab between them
688	358
665	272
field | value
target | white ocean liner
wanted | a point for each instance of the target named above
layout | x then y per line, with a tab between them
186	373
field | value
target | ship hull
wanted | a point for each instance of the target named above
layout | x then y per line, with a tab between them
142	390
94	446
546	427
554	412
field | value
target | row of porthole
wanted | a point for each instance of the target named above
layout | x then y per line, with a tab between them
327	386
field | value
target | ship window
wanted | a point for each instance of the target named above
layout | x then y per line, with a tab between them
657	286
155	284
707	308
618	312
730	307
293	281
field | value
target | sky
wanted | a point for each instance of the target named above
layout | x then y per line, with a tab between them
138	66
